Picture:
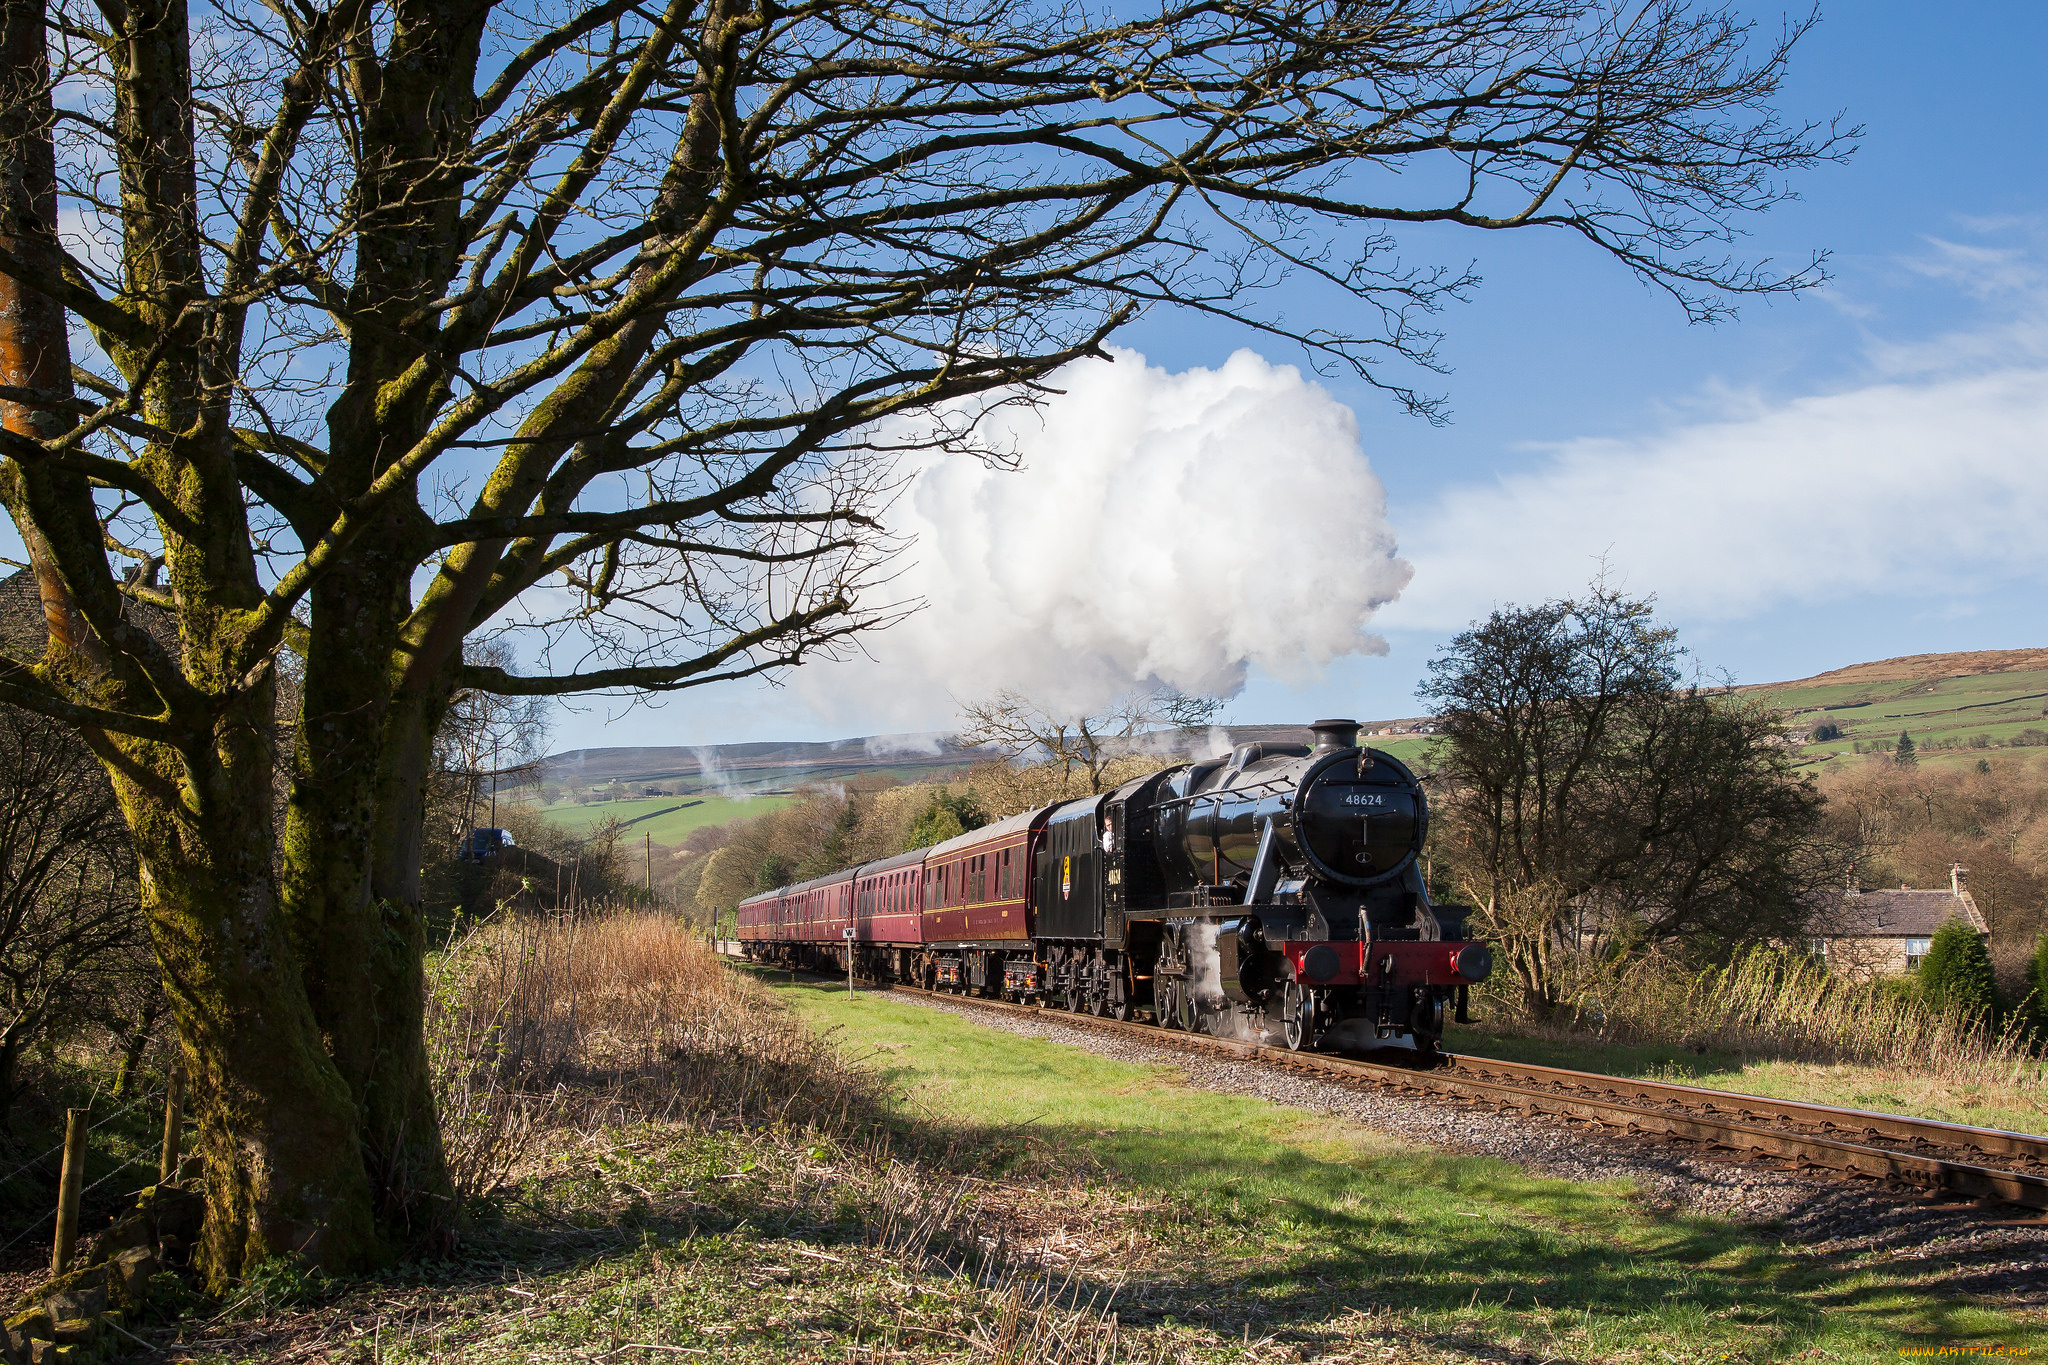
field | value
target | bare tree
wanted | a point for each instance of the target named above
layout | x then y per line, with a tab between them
604	322
486	740
1090	742
1576	777
71	932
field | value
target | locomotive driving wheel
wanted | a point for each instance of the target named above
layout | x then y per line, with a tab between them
1295	1016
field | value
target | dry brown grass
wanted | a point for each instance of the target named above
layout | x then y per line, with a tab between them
1770	1004
540	1023
668	1141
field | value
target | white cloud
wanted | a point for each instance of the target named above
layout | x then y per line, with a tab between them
1917	488
1178	528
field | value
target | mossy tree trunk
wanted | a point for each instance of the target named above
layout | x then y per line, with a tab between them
614	298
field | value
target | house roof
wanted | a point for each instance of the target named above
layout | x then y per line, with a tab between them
24	634
1895	914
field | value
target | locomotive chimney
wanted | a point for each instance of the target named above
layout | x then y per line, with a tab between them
1332	735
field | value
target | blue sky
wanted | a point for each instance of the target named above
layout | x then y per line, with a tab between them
1858	473
1854	474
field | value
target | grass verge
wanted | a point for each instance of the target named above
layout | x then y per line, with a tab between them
898	1184
1308	1230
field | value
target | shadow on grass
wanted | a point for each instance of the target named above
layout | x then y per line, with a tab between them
1288	1225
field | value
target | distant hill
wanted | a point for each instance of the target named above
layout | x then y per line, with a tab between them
762	768
1957	707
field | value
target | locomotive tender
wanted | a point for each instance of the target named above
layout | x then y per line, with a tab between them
1276	887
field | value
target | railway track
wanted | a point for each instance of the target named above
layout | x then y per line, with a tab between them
1932	1157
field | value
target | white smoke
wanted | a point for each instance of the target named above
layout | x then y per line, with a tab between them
1205	964
1164	529
717	777
1221	1014
926	745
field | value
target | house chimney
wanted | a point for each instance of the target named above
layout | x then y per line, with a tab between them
1958	880
1855	885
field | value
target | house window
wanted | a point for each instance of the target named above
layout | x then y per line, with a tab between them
1916	948
1818	947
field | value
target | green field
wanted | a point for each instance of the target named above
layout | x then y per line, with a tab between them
1311	1228
1975	713
1410	749
668	818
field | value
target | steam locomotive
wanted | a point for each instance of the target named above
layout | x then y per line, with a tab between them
1272	893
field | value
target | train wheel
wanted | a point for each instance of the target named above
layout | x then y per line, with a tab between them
1186	1012
1120	1010
1294	1022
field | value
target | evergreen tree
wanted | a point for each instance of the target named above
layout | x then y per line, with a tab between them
1905	755
948	816
1957	970
935	826
2037	985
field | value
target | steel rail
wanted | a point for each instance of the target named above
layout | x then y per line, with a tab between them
1614	1102
1828	1118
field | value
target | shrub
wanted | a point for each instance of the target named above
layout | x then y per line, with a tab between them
1825	731
948	816
2037	985
1957	971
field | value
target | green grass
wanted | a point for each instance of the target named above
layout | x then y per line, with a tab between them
1847	1087
670	819
1305	1219
1998	706
1410	749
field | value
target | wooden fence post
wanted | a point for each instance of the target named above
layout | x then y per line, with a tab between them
174	1128
69	1186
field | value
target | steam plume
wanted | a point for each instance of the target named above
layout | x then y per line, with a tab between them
1174	529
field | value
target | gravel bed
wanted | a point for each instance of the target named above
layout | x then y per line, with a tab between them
1821	1216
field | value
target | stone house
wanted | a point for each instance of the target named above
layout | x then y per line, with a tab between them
1867	934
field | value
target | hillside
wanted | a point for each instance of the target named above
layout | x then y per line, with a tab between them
1957	707
664	792
758	768
741	770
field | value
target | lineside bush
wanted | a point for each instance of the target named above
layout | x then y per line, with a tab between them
1957	970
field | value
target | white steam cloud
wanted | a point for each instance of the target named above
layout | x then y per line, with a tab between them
717	776
1175	529
926	745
